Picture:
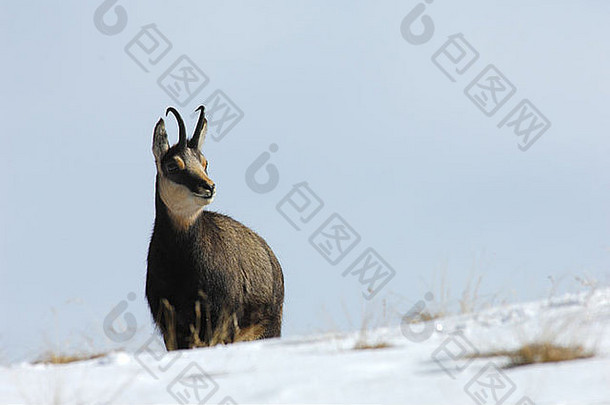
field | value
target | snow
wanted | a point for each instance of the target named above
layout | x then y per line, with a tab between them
422	365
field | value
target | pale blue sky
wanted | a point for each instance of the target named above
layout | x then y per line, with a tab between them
365	118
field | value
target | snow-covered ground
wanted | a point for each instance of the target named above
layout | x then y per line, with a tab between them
424	364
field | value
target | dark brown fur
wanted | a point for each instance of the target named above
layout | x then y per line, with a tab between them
215	281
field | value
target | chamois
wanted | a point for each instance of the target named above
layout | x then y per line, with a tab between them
210	279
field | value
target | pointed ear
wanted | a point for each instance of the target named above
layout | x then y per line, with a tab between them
160	142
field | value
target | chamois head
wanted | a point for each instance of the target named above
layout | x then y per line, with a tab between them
182	170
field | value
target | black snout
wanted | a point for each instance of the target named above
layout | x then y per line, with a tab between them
206	188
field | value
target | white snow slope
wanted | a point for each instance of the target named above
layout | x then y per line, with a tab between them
425	364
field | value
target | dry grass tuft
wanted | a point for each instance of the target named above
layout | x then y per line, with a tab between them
58	358
426	316
364	341
363	345
470	296
438	303
535	353
227	329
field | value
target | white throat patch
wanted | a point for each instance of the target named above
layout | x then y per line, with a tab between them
183	206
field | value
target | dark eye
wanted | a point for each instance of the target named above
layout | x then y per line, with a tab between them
171	167
206	166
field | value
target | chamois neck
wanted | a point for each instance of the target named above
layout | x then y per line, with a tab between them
180	220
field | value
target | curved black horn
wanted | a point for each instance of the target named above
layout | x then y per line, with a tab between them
181	127
194	142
